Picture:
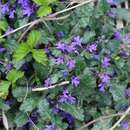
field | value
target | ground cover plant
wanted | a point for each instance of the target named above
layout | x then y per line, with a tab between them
64	65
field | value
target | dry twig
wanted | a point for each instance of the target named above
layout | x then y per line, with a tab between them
51	87
102	118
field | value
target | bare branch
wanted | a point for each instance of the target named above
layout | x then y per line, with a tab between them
119	121
51	87
102	118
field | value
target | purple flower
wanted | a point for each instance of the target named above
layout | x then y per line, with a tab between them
47	82
102	87
76	41
111	14
67	98
9	102
75	81
106	62
7	67
11	14
55	109
111	2
33	117
5	8
125	125
65	73
68	117
9	29
127	39
104	77
60	34
2	49
61	46
49	127
92	47
26	6
24	127
127	93
59	60
71	64
70	48
117	35
104	80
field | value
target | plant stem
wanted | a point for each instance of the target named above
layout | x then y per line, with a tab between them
102	118
119	121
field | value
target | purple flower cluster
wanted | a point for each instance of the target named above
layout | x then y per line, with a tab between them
47	82
127	94
59	60
125	124
70	64
65	115
70	47
104	79
27	7
66	97
5	9
106	62
111	2
75	81
92	47
117	35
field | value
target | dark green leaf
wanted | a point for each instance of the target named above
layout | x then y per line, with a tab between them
74	111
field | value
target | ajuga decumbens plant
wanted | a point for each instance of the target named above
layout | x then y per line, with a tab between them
64	65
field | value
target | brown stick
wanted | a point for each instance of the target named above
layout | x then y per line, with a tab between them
101	118
50	87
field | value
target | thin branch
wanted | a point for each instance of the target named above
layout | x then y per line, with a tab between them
32	122
25	32
102	118
41	20
73	7
51	17
51	87
27	89
119	121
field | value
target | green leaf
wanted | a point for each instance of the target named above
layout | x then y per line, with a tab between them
122	13
44	110
14	75
19	93
39	56
4	86
33	38
41	71
20	119
102	125
44	2
88	36
73	110
87	85
43	11
3	25
21	51
29	104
